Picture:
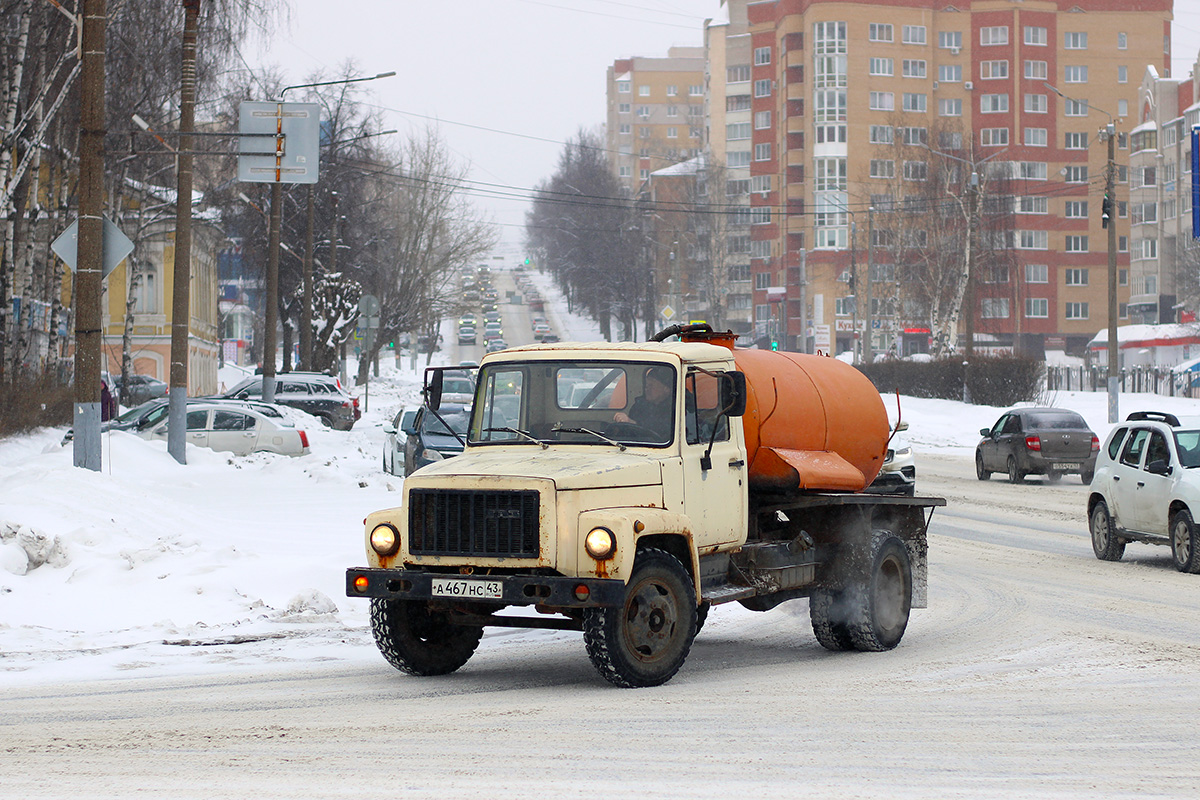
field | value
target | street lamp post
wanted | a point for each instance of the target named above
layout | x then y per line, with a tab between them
1110	222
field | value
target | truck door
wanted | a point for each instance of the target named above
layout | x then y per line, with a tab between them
716	497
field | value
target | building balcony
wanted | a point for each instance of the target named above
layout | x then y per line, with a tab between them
795	91
795	124
794	158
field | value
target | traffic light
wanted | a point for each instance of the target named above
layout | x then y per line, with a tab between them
774	344
1106	209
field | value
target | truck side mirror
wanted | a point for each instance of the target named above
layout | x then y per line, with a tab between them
433	389
733	393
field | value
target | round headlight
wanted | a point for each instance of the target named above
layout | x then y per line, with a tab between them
600	543
385	540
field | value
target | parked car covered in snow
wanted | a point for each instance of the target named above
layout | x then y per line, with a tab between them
237	428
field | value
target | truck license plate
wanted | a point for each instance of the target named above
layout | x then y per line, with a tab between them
1066	466
468	589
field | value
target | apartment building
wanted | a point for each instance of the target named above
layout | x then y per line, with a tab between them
862	114
655	113
1164	273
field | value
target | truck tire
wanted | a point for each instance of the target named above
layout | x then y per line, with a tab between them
1185	542
827	611
878	604
702	615
644	641
420	642
1105	543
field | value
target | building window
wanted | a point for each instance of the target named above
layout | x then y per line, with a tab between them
993	308
672	111
880	32
1122	108
1077	244
1035	137
760	184
737	130
762	120
914	34
1033	170
993	70
1146	249
883	101
1076	173
762	88
643	91
146	293
1077	311
917	136
1077	74
1037	273
626	172
1036	70
950	108
672	132
737	102
993	137
623	108
1076	276
1035	104
950	140
914	67
736	188
914	170
882	134
1075	108
1122	41
1037	307
950	73
762	56
881	66
695	132
993	104
1075	40
994	35
625	129
762	152
762	279
831	174
914	101
623	87
696	90
737	158
644	174
1035	35
1076	141
1032	240
1035	204
643	112
883	168
1076	209
644	132
950	40
760	215
738	74
1122	74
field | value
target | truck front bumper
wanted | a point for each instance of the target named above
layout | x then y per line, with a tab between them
516	590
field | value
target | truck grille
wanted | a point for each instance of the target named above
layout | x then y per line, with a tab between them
448	522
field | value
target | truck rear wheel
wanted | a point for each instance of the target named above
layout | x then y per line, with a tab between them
644	641
878	605
419	641
827	611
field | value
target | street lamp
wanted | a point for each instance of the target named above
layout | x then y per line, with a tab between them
870	350
1110	222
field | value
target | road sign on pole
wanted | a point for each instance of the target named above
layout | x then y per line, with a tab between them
116	246
278	142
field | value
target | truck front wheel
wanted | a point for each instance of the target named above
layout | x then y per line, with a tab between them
644	641
419	641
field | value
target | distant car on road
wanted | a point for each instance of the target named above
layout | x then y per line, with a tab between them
140	388
496	345
467	335
1037	441
1147	488
235	428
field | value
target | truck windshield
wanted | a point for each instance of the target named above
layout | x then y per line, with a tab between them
577	402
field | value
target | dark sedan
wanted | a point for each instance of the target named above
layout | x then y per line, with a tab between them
429	440
1037	441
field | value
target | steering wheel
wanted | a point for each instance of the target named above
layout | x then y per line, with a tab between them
631	430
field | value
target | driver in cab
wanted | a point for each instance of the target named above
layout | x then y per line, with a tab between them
653	409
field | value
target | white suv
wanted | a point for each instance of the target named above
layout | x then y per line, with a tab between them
1147	488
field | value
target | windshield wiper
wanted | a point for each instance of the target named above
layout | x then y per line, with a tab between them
526	434
558	426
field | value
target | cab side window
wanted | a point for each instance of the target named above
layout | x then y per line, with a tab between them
702	412
1132	454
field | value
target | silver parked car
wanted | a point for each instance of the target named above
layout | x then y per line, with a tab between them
238	428
395	438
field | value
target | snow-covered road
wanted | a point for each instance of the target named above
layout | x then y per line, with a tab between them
1036	671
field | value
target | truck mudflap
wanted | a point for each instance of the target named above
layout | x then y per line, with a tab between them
513	590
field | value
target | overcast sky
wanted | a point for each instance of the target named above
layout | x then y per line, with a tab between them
508	81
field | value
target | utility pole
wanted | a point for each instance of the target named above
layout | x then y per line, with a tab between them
181	294
870	349
272	299
306	305
972	224
89	261
333	246
1110	221
854	339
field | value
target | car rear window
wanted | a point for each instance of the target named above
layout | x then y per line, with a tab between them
1056	421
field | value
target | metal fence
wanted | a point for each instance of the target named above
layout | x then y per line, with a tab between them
1152	380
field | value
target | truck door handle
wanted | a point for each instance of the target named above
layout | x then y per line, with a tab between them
736	463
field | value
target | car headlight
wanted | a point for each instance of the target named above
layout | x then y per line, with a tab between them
600	543
431	455
903	451
385	540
